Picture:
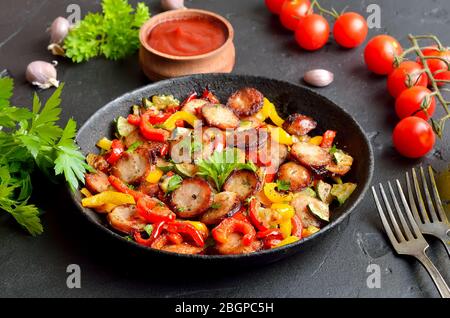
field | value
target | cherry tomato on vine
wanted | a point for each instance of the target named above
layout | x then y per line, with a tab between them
412	101
274	6
350	30
292	11
407	74
442	76
312	32
438	67
413	137
380	54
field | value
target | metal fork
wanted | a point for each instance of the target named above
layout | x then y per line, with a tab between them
434	220
407	240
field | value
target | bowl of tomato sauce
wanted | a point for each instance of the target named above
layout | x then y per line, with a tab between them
186	41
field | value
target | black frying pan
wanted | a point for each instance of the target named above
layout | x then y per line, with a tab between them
289	98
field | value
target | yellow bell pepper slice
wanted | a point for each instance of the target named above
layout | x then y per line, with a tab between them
270	111
106	208
111	197
260	115
86	192
286	211
154	175
288	240
169	124
104	143
273	195
286	228
279	135
316	140
310	230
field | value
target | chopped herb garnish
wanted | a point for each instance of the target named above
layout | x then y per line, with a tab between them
283	185
166	168
215	206
333	149
148	229
181	209
174	183
128	238
134	146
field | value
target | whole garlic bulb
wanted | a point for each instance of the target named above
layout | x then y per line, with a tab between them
42	74
59	29
172	4
319	77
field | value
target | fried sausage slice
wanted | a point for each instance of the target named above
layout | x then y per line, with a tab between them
310	155
162	242
194	105
219	116
296	175
125	219
248	139
97	182
243	182
246	101
131	167
300	125
225	204
234	245
192	198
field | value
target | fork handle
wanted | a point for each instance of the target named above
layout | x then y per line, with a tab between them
440	283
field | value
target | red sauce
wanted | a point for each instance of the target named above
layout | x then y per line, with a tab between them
187	37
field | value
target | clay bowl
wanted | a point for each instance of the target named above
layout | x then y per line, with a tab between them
157	65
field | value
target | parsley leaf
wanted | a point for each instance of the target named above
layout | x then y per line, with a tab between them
174	183
221	164
283	185
114	34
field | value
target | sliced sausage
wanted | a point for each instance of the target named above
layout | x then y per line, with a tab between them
342	167
310	155
274	154
250	122
243	182
234	245
300	204
248	139
194	105
246	101
183	248
192	198
219	116
97	162
124	218
132	138
131	167
225	204
150	189
300	125
97	182
296	175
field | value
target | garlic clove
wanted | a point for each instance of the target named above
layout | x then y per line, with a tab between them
59	29
56	49
42	74
172	4
319	77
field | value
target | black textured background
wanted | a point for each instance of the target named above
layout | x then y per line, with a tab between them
335	266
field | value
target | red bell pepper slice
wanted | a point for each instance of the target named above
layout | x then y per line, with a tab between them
175	238
150	133
190	98
210	97
258	218
270	237
153	211
116	152
297	226
164	150
157	230
134	120
158	118
328	139
188	229
121	186
233	225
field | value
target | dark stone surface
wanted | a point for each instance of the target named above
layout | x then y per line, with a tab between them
334	266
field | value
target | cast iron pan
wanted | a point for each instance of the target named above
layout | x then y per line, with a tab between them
289	98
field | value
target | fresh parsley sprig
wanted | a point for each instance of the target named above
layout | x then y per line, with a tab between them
30	139
114	34
221	164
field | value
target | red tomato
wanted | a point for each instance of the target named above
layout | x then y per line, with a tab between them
411	101
408	74
274	6
380	52
312	32
442	76
292	11
350	30
436	64
413	137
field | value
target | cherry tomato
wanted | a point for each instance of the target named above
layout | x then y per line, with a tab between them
442	76
437	64
274	6
380	53
312	32
411	101
413	137
292	11
350	30
408	74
